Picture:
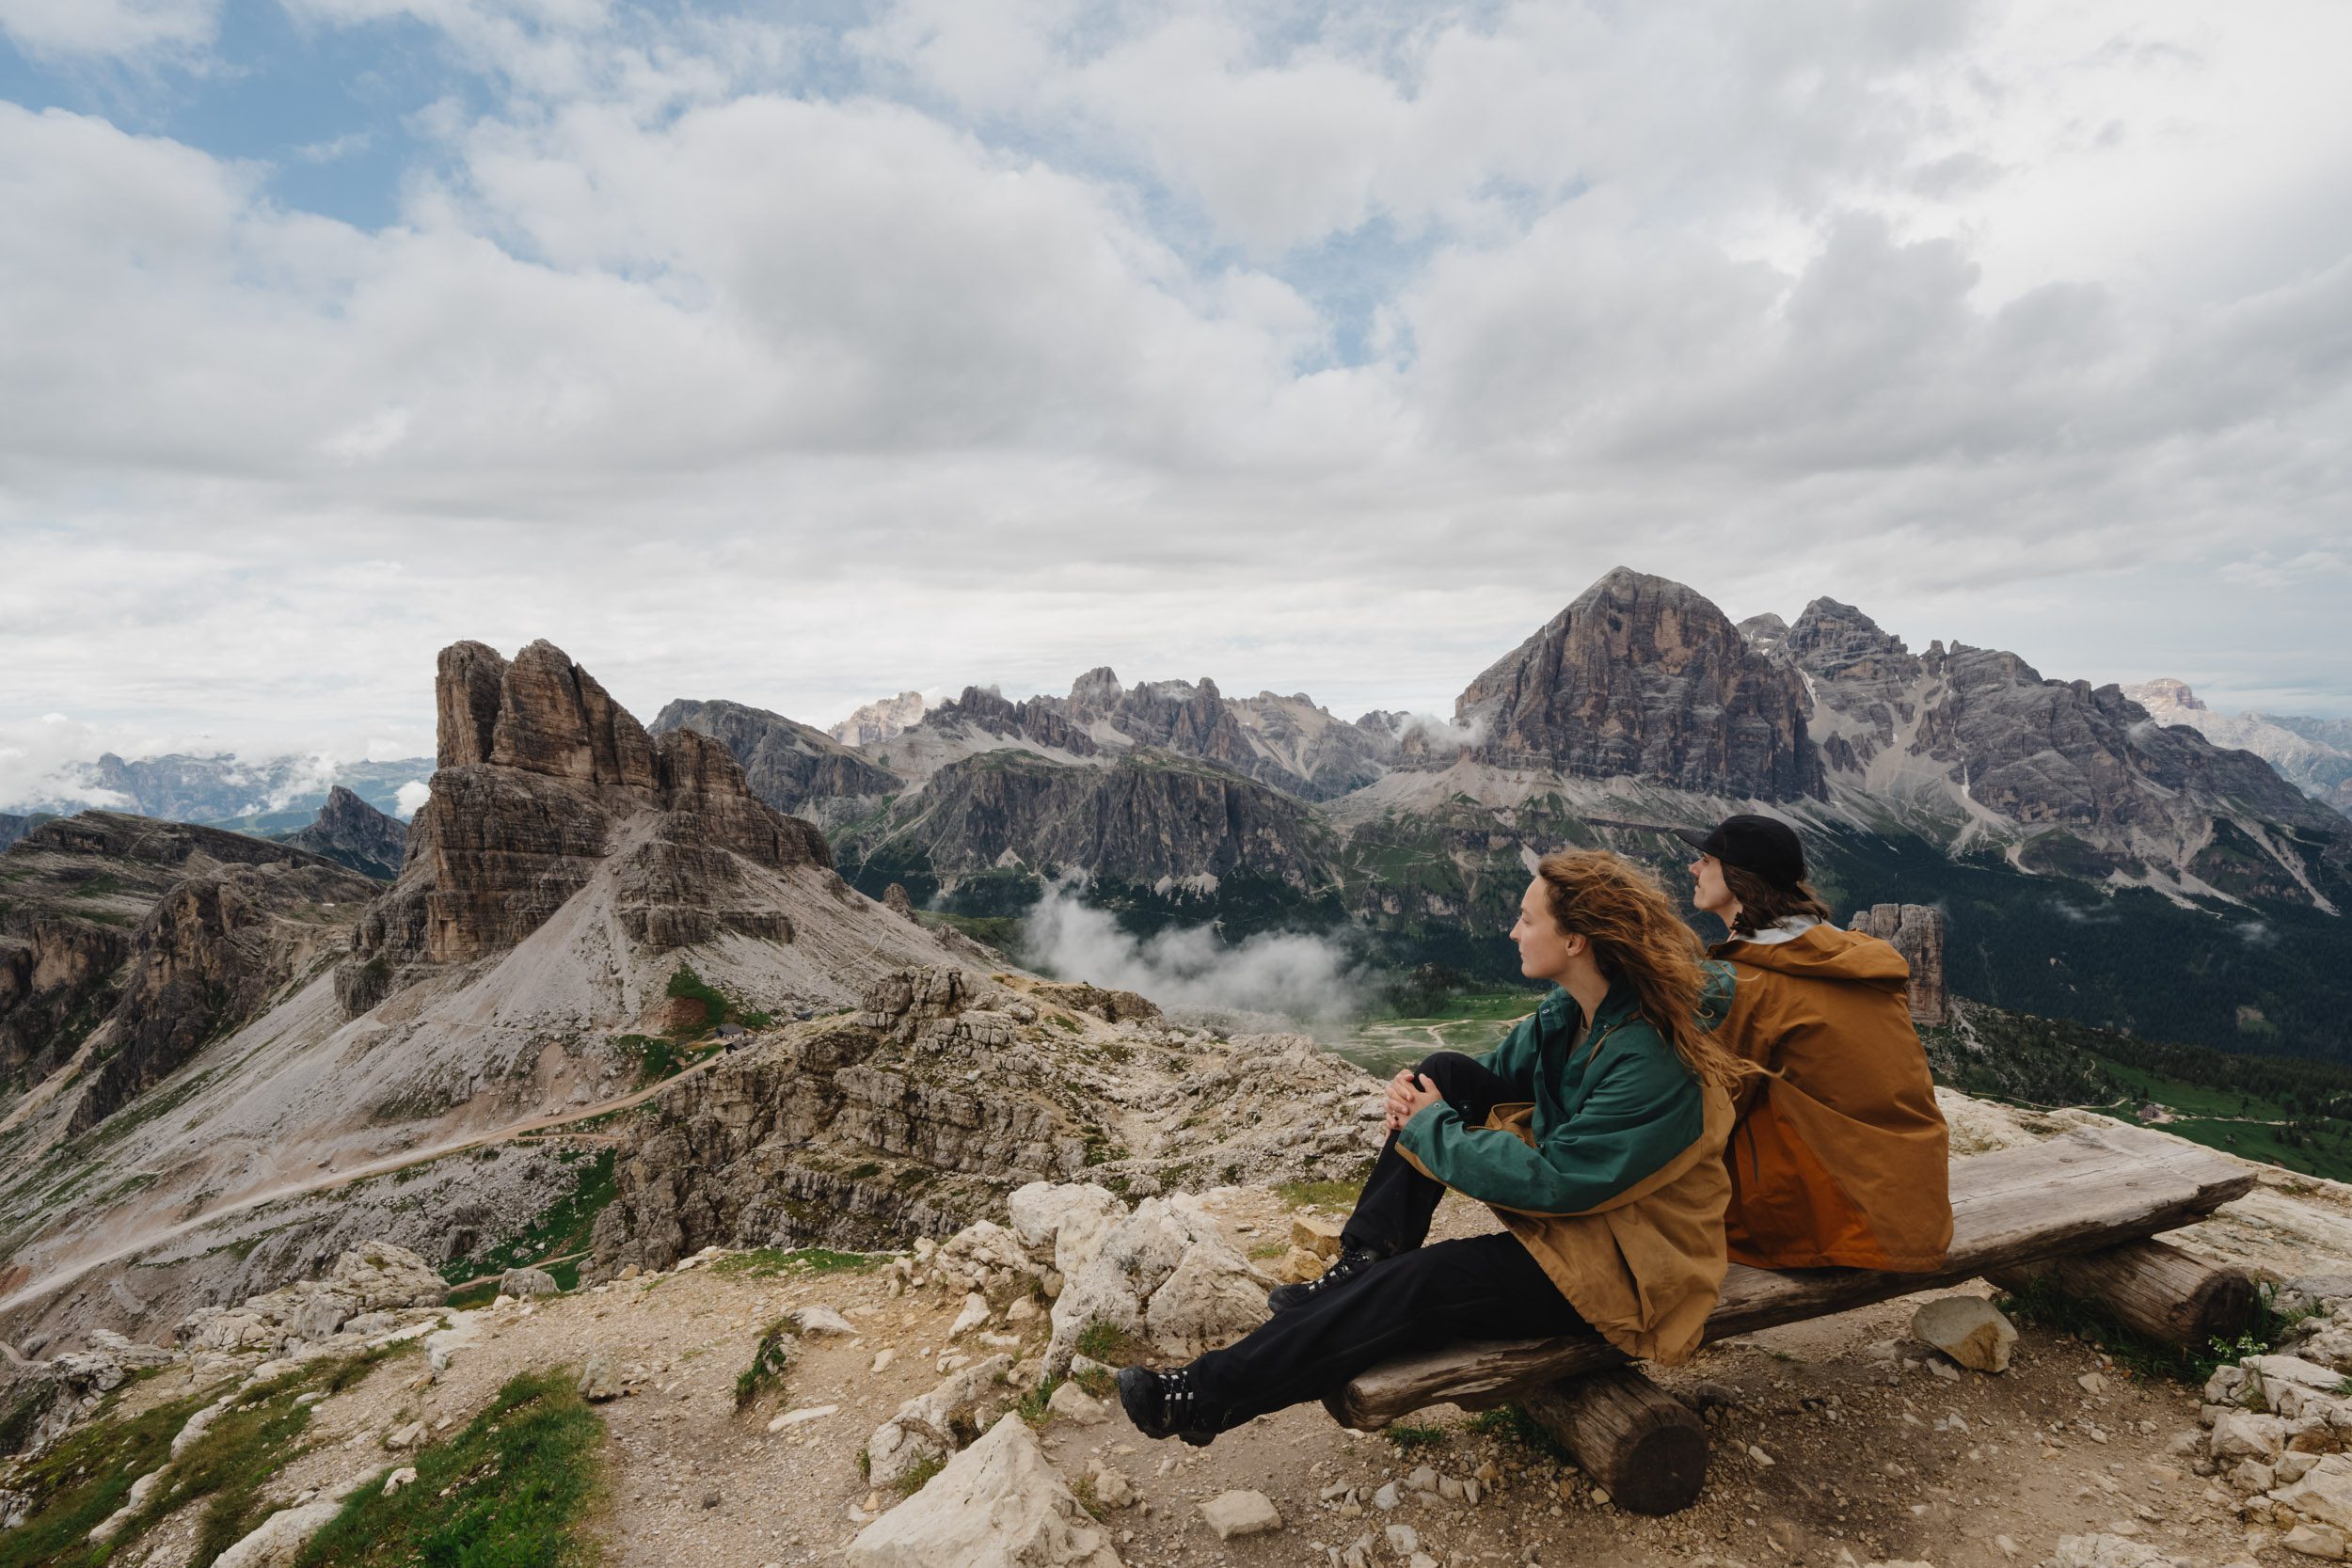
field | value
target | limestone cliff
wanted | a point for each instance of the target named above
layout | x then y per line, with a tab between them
2078	778
1643	678
540	770
790	766
948	1090
1916	931
99	913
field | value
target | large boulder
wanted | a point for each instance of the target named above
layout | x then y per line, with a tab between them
1165	1274
931	1427
280	1537
998	1504
1067	1220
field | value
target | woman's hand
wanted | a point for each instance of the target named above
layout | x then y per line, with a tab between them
1407	1094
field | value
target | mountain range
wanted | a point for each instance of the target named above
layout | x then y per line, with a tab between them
266	795
2111	866
2314	755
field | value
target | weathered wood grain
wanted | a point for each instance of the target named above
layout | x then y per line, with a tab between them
1646	1447
2084	1190
2153	1288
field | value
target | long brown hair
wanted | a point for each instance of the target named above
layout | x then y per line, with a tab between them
1639	940
1762	905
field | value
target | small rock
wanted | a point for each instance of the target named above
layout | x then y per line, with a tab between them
1232	1513
801	1416
399	1479
1073	1404
1969	1329
279	1538
1385	1497
599	1380
1112	1489
2092	1382
1404	1540
407	1437
820	1322
523	1284
2106	1551
2316	1540
883	1358
1944	1369
975	1313
1316	1233
1423	1479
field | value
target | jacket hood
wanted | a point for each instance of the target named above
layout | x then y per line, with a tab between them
1825	953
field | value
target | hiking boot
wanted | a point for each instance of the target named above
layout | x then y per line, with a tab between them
1351	1261
1166	1405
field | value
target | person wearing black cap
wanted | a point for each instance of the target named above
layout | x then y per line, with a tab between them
1839	1156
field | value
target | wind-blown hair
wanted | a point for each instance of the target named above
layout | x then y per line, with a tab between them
1763	906
1640	941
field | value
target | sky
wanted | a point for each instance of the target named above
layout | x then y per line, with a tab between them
802	355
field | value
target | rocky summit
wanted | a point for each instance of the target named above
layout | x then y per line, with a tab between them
220	1039
351	833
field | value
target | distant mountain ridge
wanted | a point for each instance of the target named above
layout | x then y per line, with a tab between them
265	795
2314	755
1956	773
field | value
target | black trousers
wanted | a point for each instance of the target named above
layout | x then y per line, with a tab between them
1416	1298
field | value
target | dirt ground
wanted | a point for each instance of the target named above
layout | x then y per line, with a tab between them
1843	1443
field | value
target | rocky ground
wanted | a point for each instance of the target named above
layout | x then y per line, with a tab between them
1843	1440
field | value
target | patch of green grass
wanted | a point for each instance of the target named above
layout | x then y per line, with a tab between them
764	1262
917	1478
478	1293
687	986
560	1233
512	1490
770	1360
1408	1438
228	1467
2041	1303
83	1476
1321	1195
1512	1424
1095	1380
1031	1406
1270	1249
1110	1344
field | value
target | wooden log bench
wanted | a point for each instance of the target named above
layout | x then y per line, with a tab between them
2076	1210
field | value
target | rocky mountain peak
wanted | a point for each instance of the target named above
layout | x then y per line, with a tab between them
351	833
878	721
542	775
1097	691
2165	693
1764	632
1643	678
1839	640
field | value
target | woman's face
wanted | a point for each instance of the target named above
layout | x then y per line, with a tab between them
1543	951
1710	893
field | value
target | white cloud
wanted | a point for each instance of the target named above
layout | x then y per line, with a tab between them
132	29
1291	973
1016	354
411	796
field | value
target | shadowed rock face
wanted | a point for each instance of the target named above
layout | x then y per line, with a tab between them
541	776
2084	762
1643	678
788	765
106	911
1916	931
209	955
351	833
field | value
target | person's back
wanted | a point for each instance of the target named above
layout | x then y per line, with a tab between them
1840	1155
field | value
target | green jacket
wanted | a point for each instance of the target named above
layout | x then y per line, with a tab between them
1606	1115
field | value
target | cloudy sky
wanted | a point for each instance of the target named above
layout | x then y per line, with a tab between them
803	354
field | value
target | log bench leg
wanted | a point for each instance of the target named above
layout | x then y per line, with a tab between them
2152	1288
1643	1445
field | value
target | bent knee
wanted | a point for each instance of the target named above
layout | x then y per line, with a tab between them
1441	1067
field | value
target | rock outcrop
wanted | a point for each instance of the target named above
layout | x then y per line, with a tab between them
541	773
998	1504
187	927
923	1112
881	720
211	954
1643	678
792	767
351	833
1916	931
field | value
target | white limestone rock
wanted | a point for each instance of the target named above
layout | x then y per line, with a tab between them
1070	1219
1968	1329
2323	1494
1073	1404
2244	1434
930	1426
1232	1513
1171	1247
2106	1551
279	1538
998	1504
523	1284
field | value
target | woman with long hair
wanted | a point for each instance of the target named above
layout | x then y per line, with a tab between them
1839	1157
1595	1132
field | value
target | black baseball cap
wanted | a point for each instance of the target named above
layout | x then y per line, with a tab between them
1764	846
